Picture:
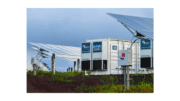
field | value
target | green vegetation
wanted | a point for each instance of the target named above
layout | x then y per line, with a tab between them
40	73
109	80
89	73
110	86
142	75
58	76
137	75
142	87
46	73
60	80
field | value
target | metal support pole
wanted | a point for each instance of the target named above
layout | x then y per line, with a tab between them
78	64
53	63
67	70
127	28
74	65
34	69
71	69
127	77
118	70
124	78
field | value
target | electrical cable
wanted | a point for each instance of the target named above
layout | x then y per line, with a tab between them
134	42
131	41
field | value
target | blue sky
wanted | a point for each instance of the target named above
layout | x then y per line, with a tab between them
72	26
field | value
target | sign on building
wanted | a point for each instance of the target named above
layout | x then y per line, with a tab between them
114	47
97	47
145	44
85	47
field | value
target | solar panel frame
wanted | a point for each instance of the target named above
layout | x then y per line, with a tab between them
142	25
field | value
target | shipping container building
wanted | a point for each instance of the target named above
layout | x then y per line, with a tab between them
101	56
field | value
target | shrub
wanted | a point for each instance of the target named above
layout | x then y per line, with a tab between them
143	87
61	80
84	88
152	76
76	73
70	81
29	72
109	80
137	75
110	87
81	74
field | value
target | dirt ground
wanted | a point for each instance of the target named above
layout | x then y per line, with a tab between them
37	84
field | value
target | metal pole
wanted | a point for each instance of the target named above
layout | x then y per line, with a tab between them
124	77
34	69
127	28
152	49
136	59
118	70
68	69
71	69
74	65
127	77
53	63
78	64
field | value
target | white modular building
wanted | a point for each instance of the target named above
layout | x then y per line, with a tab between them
101	56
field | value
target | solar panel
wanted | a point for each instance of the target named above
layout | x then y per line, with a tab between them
142	25
59	50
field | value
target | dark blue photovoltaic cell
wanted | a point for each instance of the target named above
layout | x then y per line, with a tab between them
142	25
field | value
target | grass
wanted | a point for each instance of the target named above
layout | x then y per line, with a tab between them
109	80
143	75
109	83
40	73
60	77
60	80
46	73
137	75
143	87
110	86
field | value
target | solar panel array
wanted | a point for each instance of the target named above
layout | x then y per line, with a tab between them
142	25
64	52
